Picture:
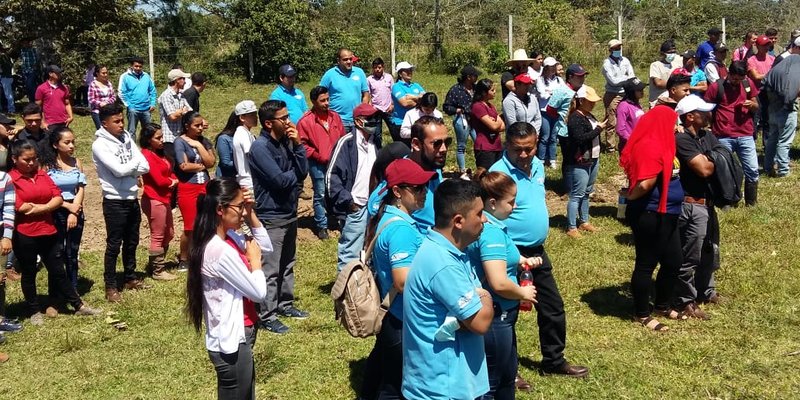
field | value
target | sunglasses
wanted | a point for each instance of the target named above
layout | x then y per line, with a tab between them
439	142
415	188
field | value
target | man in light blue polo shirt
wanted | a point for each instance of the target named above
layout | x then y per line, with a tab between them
405	95
347	86
286	91
528	226
442	283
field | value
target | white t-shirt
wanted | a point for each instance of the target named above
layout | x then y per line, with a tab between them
366	157
412	116
242	140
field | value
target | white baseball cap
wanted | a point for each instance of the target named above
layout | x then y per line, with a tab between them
403	65
245	107
549	62
693	103
176	73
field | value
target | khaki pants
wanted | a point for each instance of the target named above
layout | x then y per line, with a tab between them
608	138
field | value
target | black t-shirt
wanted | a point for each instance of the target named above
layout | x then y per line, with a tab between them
42	141
507	76
688	147
192	98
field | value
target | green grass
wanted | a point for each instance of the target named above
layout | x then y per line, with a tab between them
741	353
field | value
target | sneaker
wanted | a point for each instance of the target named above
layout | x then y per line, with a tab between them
136	284
183	266
113	296
37	319
323	234
163	276
87	311
293	312
7	325
275	326
51	312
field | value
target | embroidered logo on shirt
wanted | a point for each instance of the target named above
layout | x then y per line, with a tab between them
465	299
399	256
356	78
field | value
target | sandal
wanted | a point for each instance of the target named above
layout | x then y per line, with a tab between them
672	314
652	324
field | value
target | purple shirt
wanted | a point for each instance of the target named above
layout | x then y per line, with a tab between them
627	116
381	91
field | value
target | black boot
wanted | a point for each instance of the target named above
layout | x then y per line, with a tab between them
750	193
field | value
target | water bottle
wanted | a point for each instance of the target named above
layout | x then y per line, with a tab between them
526	279
622	203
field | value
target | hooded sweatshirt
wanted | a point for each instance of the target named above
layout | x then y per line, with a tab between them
119	163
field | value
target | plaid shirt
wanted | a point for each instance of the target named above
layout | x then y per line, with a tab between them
168	103
99	94
29	59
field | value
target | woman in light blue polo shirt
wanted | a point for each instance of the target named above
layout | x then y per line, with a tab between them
496	261
395	246
405	96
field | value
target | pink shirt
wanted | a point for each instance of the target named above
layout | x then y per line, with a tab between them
381	91
54	100
761	66
627	116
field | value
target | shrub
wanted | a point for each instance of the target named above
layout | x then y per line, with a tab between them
457	56
496	57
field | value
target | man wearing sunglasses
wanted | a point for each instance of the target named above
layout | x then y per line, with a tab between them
347	181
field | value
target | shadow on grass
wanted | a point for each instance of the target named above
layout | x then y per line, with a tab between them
527	362
326	288
555	184
357	373
602	211
559	221
625	239
614	301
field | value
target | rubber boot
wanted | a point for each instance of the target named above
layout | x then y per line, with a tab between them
750	193
156	266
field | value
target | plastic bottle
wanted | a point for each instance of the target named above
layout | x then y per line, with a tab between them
525	279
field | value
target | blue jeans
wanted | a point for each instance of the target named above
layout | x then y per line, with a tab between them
354	227
580	181
501	354
745	149
8	91
782	127
461	140
317	173
135	116
96	120
547	139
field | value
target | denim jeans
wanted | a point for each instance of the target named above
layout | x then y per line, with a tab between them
317	173
122	218
548	141
31	82
501	354
96	120
278	267
235	374
580	181
135	116
8	91
354	227
782	127
71	241
462	132
745	149
383	372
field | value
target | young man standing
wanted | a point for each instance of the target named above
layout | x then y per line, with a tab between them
287	92
442	283
380	91
319	131
347	86
782	86
278	165
192	94
119	164
706	51
33	130
661	69
172	106
138	93
347	182
54	98
715	68
617	70
757	68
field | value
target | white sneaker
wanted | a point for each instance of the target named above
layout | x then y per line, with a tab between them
553	165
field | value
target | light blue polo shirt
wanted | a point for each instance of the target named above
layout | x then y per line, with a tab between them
399	90
345	90
441	282
529	223
424	216
495	245
560	100
295	101
395	248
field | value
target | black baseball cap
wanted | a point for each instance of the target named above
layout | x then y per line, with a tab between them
287	70
667	46
54	68
688	54
4	120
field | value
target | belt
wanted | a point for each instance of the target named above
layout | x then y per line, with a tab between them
694	200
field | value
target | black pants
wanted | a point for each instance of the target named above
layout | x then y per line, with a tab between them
486	159
49	249
122	218
383	373
551	318
71	240
235	374
657	240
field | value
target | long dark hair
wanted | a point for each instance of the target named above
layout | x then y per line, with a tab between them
481	89
219	192
145	134
372	225
49	156
188	118
230	127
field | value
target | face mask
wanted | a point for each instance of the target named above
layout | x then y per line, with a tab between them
616	53
370	130
670	57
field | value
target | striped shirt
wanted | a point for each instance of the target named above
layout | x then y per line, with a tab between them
9	199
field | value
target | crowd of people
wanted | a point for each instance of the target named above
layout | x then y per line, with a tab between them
448	252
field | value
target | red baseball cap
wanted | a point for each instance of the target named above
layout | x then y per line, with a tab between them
406	172
523	78
364	110
763	40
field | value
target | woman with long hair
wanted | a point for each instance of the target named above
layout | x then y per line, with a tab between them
35	233
193	158
487	124
654	203
458	104
67	173
425	107
101	92
159	183
224	145
395	246
224	271
497	261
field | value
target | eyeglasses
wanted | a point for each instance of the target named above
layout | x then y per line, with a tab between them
239	207
282	118
439	142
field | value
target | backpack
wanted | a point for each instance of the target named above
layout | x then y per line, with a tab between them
725	184
721	89
356	299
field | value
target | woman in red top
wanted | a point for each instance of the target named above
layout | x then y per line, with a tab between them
487	124
35	232
158	188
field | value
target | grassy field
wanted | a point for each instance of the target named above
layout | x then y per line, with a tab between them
744	352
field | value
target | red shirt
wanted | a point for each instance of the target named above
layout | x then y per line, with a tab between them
318	139
54	102
485	138
157	181
37	190
732	119
249	308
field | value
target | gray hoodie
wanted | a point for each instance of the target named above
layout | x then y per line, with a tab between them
119	164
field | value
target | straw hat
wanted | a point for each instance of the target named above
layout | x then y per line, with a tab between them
519	55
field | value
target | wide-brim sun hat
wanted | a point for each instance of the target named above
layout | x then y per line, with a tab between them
520	55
